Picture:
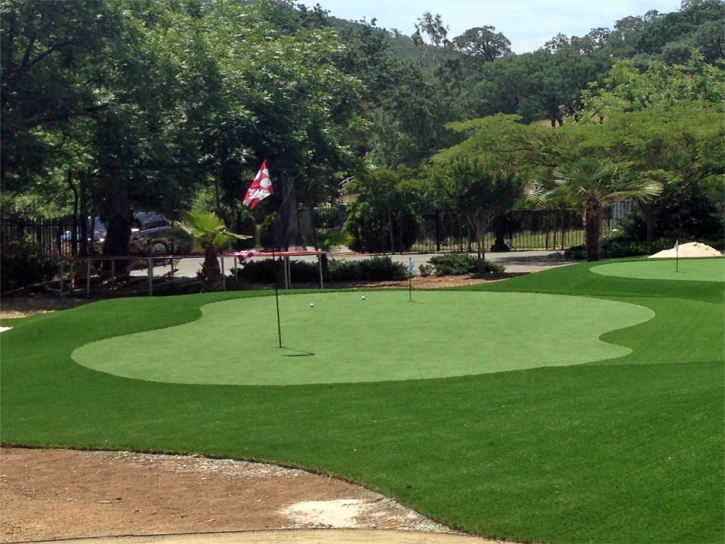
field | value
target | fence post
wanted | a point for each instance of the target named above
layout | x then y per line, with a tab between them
438	231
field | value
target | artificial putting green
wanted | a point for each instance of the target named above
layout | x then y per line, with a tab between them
709	269
345	338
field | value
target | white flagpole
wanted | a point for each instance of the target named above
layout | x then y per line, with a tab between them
677	256
276	298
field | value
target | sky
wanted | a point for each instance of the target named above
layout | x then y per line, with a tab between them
528	24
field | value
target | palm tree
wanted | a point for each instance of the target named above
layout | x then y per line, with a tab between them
205	231
587	185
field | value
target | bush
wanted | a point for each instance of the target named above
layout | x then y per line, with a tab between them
577	253
23	263
426	270
373	269
455	264
263	272
616	247
490	269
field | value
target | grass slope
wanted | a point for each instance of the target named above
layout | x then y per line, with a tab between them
589	453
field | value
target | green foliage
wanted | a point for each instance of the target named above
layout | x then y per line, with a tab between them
268	231
626	88
337	270
689	212
378	221
263	271
455	264
616	247
586	185
23	263
247	227
372	269
328	238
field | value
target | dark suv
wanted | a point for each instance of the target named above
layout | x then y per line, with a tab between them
148	234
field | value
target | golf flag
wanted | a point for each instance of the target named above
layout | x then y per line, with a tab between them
260	188
244	256
677	245
411	267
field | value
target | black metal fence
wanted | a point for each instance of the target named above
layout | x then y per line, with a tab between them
519	230
51	237
436	231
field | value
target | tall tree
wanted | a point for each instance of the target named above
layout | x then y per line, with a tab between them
483	42
468	187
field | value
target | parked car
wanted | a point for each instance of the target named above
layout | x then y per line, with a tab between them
147	234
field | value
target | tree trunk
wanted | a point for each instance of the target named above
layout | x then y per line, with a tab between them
648	210
291	236
475	224
593	228
211	274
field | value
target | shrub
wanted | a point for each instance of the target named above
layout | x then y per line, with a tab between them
454	264
620	246
23	263
577	253
490	269
426	270
263	271
373	269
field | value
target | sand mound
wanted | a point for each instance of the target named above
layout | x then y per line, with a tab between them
691	249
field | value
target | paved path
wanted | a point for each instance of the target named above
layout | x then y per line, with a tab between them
516	262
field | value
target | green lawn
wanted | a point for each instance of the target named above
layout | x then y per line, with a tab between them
621	450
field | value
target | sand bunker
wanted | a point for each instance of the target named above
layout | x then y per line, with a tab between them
689	250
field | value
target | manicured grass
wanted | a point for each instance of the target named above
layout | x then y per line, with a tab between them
624	450
344	338
712	269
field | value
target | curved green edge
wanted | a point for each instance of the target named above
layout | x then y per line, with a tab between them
344	339
709	270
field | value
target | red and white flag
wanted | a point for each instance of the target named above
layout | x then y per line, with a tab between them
244	256
260	188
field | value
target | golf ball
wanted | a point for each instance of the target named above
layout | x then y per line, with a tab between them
363	297
312	304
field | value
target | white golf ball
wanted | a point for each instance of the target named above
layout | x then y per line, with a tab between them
312	304
363	297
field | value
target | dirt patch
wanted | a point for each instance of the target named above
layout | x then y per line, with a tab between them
49	494
24	306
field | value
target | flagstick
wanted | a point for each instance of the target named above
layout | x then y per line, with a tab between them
677	260
410	287
276	297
